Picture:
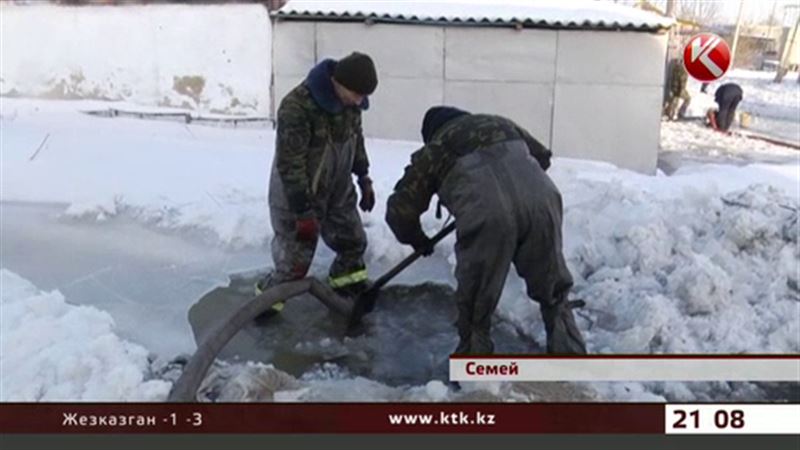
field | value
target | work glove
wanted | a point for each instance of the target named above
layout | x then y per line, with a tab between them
307	227
544	159
367	194
423	245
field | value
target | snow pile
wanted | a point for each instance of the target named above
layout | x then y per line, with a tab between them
54	351
704	275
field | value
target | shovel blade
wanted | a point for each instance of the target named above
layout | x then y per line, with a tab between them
363	305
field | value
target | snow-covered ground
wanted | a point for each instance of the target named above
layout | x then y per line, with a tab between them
774	108
686	143
704	260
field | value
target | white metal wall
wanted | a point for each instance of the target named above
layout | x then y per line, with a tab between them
503	71
585	94
408	59
608	97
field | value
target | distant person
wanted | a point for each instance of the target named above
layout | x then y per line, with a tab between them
319	148
678	94
727	97
490	173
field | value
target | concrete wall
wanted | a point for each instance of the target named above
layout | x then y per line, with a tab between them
211	58
586	94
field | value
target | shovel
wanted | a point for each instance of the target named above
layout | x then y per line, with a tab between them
365	302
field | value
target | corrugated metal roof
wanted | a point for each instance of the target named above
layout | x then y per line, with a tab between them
528	13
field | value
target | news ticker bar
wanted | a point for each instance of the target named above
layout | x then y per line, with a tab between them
633	368
531	418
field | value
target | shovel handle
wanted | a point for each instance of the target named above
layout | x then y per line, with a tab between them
366	301
380	282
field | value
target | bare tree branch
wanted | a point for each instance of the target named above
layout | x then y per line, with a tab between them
703	12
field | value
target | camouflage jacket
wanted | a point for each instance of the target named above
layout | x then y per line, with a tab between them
678	78
311	119
430	165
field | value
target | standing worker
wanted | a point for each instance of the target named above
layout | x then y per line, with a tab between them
319	147
677	92
490	174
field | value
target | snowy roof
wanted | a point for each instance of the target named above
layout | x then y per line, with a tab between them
529	13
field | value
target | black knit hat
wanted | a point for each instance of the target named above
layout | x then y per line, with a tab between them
436	117
356	72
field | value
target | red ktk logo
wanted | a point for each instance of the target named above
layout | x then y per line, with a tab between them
706	57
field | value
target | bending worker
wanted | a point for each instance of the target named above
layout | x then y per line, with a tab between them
727	97
490	174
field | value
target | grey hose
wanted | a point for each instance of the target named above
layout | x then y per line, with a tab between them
185	389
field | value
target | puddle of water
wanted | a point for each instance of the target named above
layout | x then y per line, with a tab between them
408	337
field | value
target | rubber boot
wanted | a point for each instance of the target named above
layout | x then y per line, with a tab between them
563	335
262	285
353	290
